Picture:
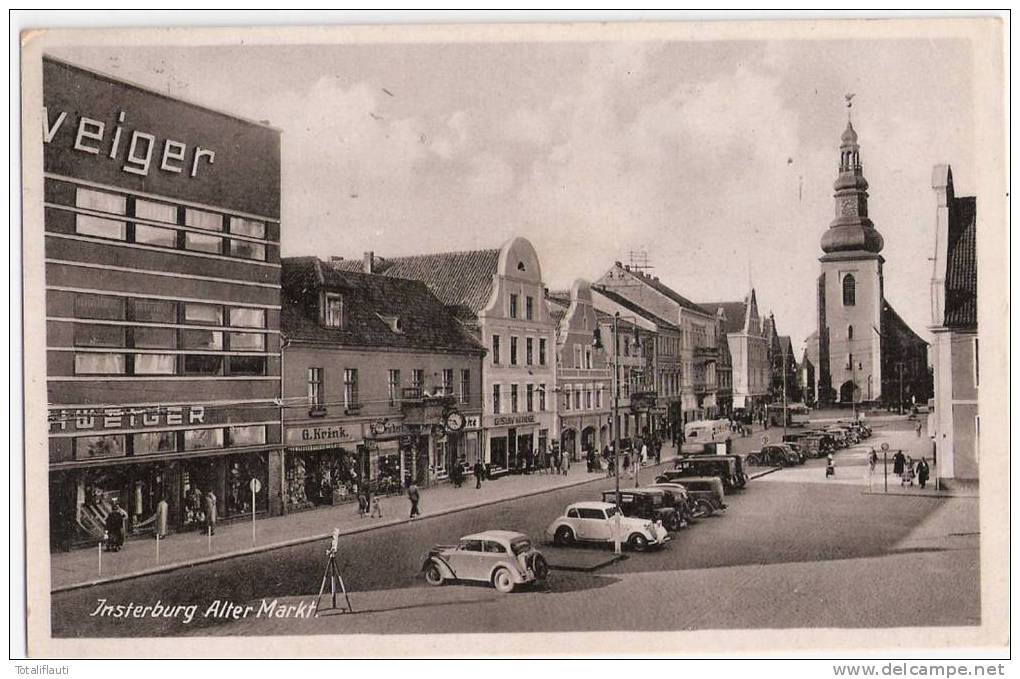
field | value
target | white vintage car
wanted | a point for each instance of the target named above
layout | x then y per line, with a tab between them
596	522
501	557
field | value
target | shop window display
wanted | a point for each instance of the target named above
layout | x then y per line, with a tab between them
241	469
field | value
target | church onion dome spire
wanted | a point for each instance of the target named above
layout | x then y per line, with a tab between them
851	230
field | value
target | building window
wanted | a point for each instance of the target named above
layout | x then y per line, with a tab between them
155	212
247	318
541	397
247	341
577	356
99	307
587	398
541	351
513	398
393	387
100	201
447	376
252	435
496	400
149	443
207	314
577	399
200	439
587	357
203	364
529	308
566	400
154	338
247	249
316	393
529	397
465	386
332	313
248	365
200	242
157	310
202	340
247	227
529	351
495	349
513	305
598	395
99	364
849	332
89	447
155	364
513	351
98	335
849	290
418	382
151	235
87	225
350	387
200	219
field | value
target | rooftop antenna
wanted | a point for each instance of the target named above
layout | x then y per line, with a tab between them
639	261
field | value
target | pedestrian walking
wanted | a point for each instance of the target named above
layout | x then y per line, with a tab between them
479	473
557	460
872	459
917	428
363	503
209	508
376	506
115	527
907	479
414	497
565	467
162	517
898	461
922	472
626	462
644	454
830	466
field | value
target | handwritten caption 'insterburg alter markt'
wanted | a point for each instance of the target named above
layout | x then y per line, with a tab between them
219	608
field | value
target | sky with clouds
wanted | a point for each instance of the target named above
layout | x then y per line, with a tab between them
717	158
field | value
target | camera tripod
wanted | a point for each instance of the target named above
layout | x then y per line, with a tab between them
332	575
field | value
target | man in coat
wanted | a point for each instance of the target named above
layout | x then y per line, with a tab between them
414	497
209	507
899	460
479	473
115	527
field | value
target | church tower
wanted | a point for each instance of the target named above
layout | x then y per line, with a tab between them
850	294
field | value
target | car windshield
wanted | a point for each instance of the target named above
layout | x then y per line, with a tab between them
519	547
611	512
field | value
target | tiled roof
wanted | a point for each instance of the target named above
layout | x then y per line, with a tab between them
604	317
893	326
631	306
459	279
735	312
961	266
368	300
557	306
664	289
787	344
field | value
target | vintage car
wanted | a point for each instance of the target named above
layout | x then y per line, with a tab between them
706	494
648	503
797	451
500	557
824	442
841	436
729	468
596	522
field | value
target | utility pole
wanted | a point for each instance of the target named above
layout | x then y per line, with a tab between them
899	369
785	406
616	426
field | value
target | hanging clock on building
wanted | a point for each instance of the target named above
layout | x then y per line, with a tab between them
454	421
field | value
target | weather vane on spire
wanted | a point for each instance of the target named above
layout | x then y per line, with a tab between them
849	102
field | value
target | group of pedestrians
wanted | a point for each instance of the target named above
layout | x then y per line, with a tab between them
904	467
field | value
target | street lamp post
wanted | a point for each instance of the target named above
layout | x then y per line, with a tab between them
785	405
616	426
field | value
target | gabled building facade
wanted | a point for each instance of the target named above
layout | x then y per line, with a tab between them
956	418
583	375
382	385
499	294
749	354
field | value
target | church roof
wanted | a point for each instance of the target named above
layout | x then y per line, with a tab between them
735	312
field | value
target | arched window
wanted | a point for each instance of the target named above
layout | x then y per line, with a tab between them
849	290
849	332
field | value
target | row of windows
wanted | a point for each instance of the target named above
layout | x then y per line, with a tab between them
150	443
111	308
157	364
583	397
532	393
529	350
529	307
395	392
146	337
219	226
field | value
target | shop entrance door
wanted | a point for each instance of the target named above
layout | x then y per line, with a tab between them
511	440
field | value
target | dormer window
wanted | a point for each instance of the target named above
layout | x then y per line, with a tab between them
394	322
332	311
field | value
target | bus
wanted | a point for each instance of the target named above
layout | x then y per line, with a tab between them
797	415
710	436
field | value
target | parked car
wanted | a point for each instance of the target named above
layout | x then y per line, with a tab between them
797	451
682	501
653	504
596	521
774	455
729	468
839	436
503	558
825	442
706	493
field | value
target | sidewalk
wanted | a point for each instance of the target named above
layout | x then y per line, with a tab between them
81	568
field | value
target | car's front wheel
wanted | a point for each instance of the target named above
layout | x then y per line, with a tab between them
638	542
502	581
434	574
702	508
564	536
540	568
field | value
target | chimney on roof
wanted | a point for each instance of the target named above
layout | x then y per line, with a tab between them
368	262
